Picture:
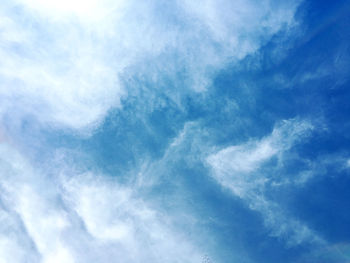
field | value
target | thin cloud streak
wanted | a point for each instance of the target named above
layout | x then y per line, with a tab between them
244	169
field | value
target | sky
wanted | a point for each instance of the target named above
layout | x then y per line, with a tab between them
177	131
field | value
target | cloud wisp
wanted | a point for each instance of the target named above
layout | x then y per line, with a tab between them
250	168
75	217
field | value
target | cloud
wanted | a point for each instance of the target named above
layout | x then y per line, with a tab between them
85	11
234	166
64	64
244	169
71	217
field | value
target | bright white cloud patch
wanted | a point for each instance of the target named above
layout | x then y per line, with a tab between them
79	218
240	169
87	10
62	61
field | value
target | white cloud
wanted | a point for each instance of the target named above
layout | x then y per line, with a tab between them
234	166
87	10
239	168
71	217
62	62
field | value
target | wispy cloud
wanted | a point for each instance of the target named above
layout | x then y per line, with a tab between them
65	65
74	217
62	62
244	169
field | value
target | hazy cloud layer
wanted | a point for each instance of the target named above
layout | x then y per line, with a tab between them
131	85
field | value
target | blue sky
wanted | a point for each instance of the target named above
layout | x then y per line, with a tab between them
174	131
